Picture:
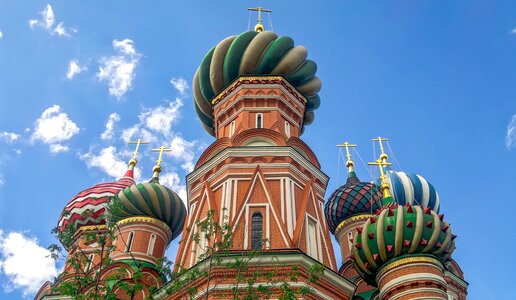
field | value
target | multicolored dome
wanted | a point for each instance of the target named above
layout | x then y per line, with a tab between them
398	231
254	53
88	207
412	188
152	200
352	198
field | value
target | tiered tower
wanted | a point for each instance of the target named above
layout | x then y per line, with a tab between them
255	92
401	250
116	235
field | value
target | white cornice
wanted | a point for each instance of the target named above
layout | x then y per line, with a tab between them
278	259
261	109
276	151
255	86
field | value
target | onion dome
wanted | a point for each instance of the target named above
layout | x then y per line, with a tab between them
352	198
254	53
412	188
153	200
397	231
87	207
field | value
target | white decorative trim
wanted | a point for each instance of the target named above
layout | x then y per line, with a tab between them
332	277
229	287
268	200
411	277
320	227
277	151
267	224
456	279
399	295
311	220
143	227
223	175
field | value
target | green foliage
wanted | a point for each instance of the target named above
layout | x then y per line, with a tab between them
84	275
85	279
215	241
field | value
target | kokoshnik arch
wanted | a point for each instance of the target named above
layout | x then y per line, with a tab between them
255	92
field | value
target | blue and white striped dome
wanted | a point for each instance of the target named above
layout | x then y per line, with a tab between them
412	188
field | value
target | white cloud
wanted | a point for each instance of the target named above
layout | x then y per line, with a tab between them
108	160
137	132
160	118
26	264
1	35
156	126
179	84
74	68
110	126
513	31
118	71
173	181
2	182
9	137
510	137
183	150
54	127
47	21
57	148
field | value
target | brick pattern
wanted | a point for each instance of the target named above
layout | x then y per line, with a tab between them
424	285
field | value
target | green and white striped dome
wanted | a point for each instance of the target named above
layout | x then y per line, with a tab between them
152	200
253	53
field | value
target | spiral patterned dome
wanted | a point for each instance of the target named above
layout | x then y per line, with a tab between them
152	200
352	198
413	189
253	53
397	231
88	207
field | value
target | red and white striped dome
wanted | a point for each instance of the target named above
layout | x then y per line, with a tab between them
87	207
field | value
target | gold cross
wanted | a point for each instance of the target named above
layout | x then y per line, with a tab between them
259	26
380	139
157	167
139	142
385	186
349	163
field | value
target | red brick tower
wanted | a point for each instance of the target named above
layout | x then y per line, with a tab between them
116	234
255	93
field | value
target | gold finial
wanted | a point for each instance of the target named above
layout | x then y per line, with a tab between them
380	139
349	163
157	167
382	162
385	186
133	161
259	26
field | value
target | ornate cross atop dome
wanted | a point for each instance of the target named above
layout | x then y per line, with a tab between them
259	26
349	162
138	142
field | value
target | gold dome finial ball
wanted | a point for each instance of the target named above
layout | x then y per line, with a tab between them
258	27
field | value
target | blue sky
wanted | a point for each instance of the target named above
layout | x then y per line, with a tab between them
438	78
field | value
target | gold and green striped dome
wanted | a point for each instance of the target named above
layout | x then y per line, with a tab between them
254	53
152	200
398	231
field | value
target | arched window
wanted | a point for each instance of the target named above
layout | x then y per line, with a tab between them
89	262
259	120
152	240
231	128
129	242
287	129
350	239
256	231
